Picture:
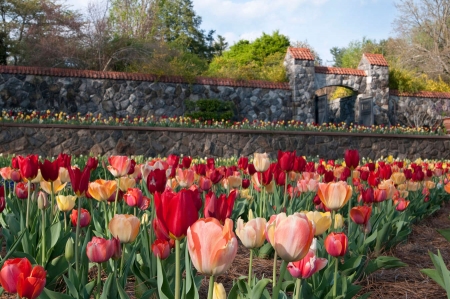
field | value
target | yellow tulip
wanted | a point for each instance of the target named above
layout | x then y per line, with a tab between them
126	183
65	203
57	186
398	178
338	221
322	221
219	291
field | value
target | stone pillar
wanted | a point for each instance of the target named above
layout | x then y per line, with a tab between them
299	63
377	86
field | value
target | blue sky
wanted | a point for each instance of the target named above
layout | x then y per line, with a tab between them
323	23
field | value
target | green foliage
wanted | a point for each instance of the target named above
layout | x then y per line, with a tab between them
350	56
261	59
406	81
341	92
210	109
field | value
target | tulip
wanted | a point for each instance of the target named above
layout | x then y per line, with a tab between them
101	190
286	160
401	204
212	247
245	183
351	158
28	166
186	162
261	162
215	175
270	230
85	217
307	266
243	163
292	236
204	183
42	201
5	172
334	195
185	178
31	285
80	179
126	183
219	291
161	248
322	221
160	231
177	212
338	221
64	175
234	182
99	250
398	178
119	165
11	269
2	198
135	198
336	244
251	233
50	170
65	203
361	214
379	195
156	181
299	164
219	207
57	186
124	227
21	190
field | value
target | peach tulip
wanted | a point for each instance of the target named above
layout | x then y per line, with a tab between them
293	236
57	186
64	175
322	221
185	178
270	230
119	165
212	247
334	195
398	178
101	189
387	185
5	172
124	227
126	183
251	233
261	162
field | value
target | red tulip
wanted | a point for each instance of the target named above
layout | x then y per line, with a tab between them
156	181
219	208
407	173
214	175
15	163
200	169
310	167
80	179
160	231
367	195
28	166
328	176
134	197
286	160
299	164
251	169
2	198
351	158
50	170
186	162
243	163
173	160
31	285
373	179
401	204
204	183
99	250
321	169
336	244
364	175
21	190
245	183
385	172
379	195
361	214
161	248
418	175
10	272
210	163
85	217
176	212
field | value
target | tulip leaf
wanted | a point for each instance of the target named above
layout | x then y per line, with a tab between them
191	289
259	288
121	291
445	233
164	290
234	292
350	265
72	289
47	294
148	294
87	289
13	247
107	287
52	235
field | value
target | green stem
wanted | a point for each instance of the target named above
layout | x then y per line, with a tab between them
177	269
77	236
277	288
28	203
43	238
99	279
264	202
250	267
122	259
285	189
105	207
65	221
274	270
211	287
298	288
333	221
335	276
117	196
52	196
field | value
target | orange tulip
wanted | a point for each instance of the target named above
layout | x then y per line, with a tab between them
212	247
293	236
185	178
101	190
124	227
334	195
119	165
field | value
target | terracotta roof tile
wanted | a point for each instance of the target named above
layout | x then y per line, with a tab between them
421	94
339	71
376	59
301	53
39	71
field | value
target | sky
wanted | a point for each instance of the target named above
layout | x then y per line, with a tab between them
324	24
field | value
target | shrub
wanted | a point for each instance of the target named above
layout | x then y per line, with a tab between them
210	109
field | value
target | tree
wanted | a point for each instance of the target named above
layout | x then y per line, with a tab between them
423	27
350	56
131	18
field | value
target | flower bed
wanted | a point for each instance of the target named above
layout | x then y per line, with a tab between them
147	221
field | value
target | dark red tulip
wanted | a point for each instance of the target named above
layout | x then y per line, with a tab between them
210	163
251	169
286	160
215	175
132	167
407	173
50	170
345	174
243	163
80	179
28	166
321	169
245	183
361	214
418	175
371	166
156	181
351	158
176	212
219	207
364	175
310	167
279	177
186	162
299	164
328	176
2	198
64	160
367	195
200	169
85	217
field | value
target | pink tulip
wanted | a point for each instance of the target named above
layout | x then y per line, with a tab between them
307	266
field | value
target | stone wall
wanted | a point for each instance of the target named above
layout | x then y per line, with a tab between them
151	142
121	94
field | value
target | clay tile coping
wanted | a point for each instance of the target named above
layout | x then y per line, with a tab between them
339	71
421	94
376	59
301	53
40	71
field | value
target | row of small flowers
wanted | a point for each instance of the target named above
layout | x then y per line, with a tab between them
48	117
142	218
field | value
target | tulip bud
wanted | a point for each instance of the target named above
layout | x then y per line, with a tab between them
336	244
338	221
161	248
42	201
68	252
219	291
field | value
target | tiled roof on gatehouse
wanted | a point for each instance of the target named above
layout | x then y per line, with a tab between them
301	53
